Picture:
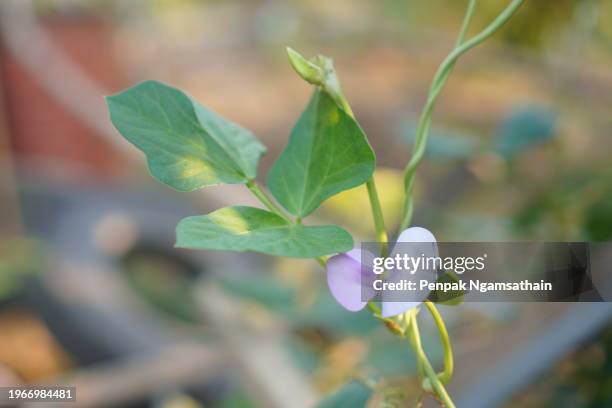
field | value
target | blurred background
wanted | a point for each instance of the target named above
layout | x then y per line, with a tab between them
93	294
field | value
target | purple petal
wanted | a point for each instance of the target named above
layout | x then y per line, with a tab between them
391	306
344	278
416	235
390	309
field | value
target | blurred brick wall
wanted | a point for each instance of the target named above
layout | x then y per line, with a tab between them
39	126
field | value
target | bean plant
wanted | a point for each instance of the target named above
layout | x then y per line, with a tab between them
190	147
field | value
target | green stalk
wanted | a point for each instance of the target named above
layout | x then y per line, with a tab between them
436	87
377	215
436	381
413	344
436	384
469	12
270	205
265	200
446	375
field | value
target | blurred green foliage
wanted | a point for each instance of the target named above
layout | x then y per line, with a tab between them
237	398
352	395
524	128
582	379
163	283
323	313
535	21
20	259
576	206
444	144
598	224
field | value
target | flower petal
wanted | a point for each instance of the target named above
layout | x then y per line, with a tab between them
345	280
416	234
390	309
422	237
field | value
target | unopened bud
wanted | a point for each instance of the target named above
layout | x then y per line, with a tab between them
308	70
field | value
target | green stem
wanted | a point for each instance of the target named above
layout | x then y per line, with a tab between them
377	215
411	338
438	82
270	205
437	385
446	343
265	200
469	12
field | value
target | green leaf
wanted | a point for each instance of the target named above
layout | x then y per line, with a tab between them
252	229
352	395
187	146
327	153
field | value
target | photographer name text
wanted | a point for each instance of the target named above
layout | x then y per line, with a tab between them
461	285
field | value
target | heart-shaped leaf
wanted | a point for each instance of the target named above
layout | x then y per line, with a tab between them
327	153
252	229
187	146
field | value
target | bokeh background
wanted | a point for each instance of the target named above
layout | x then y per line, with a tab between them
93	294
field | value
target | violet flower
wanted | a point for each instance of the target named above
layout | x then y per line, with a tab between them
346	280
351	284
